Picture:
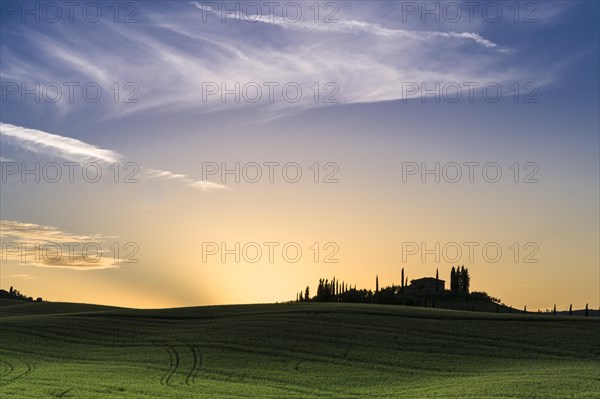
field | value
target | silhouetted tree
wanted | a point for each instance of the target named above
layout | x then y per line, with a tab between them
554	310
333	288
466	279
587	312
453	280
301	298
437	281
570	310
525	309
376	283
402	279
307	294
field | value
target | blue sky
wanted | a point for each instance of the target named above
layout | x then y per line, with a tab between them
365	60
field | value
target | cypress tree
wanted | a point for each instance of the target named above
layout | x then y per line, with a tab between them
333	288
376	283
402	280
587	312
570	310
554	311
453	285
437	281
307	294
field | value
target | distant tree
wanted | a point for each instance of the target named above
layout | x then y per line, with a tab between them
462	277
307	294
587	312
554	311
437	281
570	310
11	290
466	280
333	288
297	297
402	279
301	298
453	280
376	283
525	309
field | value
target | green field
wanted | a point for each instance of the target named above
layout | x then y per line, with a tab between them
293	350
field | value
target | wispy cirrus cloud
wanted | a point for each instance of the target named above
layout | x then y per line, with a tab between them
344	26
174	54
25	276
47	246
54	145
74	150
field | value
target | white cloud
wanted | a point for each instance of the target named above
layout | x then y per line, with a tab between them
342	26
202	185
173	54
55	145
47	246
74	150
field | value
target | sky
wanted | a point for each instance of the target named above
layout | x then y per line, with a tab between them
162	154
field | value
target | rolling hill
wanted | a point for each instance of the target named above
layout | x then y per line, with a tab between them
293	350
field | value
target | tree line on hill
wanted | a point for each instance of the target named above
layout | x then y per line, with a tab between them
458	297
335	290
16	294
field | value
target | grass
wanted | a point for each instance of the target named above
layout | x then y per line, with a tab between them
293	350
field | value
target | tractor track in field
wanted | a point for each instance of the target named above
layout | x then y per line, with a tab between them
173	364
191	377
10	369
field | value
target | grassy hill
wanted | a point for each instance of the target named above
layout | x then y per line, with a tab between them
293	350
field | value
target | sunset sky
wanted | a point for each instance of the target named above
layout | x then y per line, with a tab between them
164	125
